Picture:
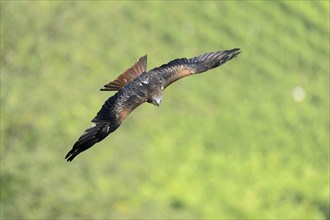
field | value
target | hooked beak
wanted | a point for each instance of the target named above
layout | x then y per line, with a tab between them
157	102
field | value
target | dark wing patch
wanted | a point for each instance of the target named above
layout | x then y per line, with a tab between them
179	68
105	122
128	76
92	135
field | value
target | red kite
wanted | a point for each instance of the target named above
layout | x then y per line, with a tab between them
136	86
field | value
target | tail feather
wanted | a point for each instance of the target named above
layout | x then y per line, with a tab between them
91	136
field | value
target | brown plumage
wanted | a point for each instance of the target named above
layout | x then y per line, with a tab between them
136	86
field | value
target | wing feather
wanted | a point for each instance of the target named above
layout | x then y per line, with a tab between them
107	120
92	135
179	68
128	75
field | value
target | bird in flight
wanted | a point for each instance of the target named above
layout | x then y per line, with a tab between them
136	86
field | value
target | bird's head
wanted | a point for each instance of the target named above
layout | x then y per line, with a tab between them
155	92
156	100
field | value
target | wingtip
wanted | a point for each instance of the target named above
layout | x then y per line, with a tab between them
234	52
68	157
238	50
69	160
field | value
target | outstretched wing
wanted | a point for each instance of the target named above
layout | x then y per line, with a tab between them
107	120
128	76
92	135
179	68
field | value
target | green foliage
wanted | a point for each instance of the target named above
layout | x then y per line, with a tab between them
230	143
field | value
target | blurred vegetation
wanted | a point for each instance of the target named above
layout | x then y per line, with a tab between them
230	143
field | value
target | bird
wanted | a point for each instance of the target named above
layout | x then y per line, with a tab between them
136	86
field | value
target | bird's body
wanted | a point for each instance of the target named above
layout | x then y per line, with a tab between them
136	86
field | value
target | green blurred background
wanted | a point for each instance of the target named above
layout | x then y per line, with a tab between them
247	140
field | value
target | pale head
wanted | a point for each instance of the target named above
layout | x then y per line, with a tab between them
155	91
156	99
